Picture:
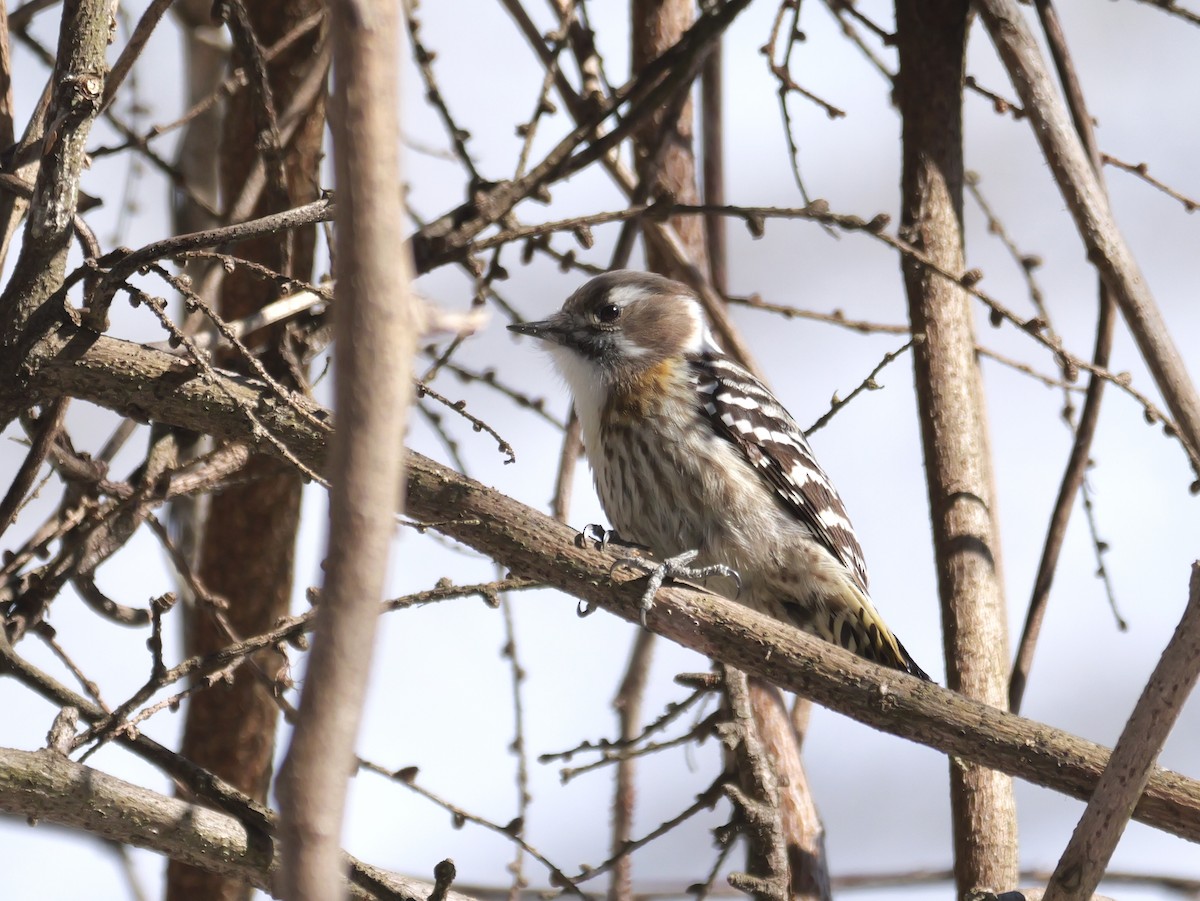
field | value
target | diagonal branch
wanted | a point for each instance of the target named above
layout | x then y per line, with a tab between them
1077	463
46	786
1086	857
118	374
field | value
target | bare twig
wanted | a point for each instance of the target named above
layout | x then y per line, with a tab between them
837	317
433	94
1174	9
1076	469
843	11
662	234
407	777
712	137
867	384
704	801
1142	171
781	71
633	749
460	407
133	49
1026	263
46	433
519	746
614	749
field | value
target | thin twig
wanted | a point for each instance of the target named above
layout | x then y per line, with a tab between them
1174	9
1084	196
673	711
568	461
47	428
837	317
407	776
518	746
1076	469
1142	171
867	384
460	407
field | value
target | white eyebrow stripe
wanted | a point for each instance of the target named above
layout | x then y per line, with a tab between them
623	295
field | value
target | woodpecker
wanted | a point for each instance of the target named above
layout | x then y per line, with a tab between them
696	460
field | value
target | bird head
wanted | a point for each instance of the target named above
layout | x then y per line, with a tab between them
619	325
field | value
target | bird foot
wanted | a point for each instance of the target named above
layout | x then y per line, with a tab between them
674	568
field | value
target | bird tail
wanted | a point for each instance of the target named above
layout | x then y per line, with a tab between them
852	623
876	642
905	662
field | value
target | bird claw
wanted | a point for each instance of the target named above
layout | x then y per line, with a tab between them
602	539
674	568
594	534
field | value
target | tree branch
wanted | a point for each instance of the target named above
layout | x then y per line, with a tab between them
117	374
78	81
1086	857
1086	200
931	39
1085	430
46	786
377	326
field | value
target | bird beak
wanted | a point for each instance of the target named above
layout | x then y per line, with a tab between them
552	329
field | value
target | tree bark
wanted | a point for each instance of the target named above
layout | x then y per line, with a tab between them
376	326
247	542
47	787
931	36
666	156
1086	857
26	304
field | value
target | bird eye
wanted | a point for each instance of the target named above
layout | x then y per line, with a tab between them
608	313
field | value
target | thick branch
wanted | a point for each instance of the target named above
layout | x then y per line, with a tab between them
118	375
46	786
931	38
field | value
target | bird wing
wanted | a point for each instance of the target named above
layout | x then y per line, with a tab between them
746	414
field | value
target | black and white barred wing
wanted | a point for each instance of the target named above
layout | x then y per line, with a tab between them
744	412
